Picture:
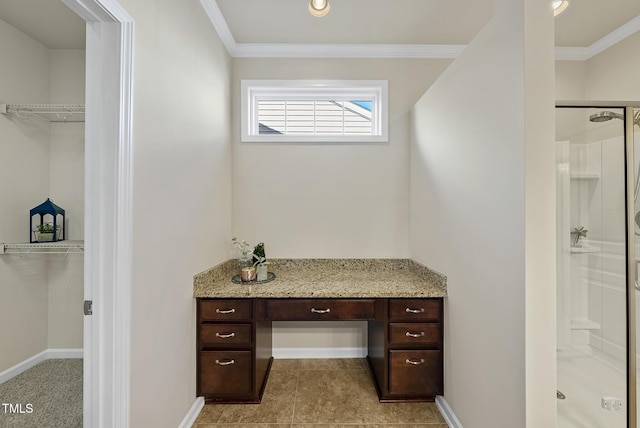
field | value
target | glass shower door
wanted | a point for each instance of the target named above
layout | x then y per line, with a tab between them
591	268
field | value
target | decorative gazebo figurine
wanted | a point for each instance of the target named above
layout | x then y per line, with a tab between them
49	223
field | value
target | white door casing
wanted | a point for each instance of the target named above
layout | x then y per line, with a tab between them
108	211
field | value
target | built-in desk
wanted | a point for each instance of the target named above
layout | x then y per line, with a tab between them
401	300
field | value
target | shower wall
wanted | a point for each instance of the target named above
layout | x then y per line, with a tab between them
591	283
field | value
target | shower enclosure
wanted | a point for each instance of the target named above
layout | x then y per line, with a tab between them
597	190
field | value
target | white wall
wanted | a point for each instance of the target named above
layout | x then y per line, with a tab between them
66	188
182	196
613	74
482	212
24	171
327	200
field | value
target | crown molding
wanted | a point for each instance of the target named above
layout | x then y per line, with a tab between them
220	24
615	36
300	50
572	54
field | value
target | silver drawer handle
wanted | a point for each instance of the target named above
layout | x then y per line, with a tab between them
415	334
415	311
228	362
320	311
415	362
225	311
225	335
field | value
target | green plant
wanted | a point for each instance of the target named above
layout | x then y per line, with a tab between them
45	228
580	231
243	247
577	233
259	256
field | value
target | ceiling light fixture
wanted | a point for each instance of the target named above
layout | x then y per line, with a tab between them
559	6
319	8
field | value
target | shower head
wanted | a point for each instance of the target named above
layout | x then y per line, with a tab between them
605	116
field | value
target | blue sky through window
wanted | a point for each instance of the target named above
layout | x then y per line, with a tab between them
363	104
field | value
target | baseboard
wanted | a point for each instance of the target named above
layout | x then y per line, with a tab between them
47	354
64	353
22	366
447	412
192	414
302	353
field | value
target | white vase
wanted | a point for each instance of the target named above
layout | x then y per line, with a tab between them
262	272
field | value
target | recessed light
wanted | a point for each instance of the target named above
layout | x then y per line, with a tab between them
559	6
319	8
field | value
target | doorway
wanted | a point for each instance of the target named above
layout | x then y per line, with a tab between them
596	196
108	215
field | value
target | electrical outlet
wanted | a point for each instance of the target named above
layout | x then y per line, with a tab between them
611	403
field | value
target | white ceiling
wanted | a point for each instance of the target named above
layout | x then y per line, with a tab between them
48	21
401	22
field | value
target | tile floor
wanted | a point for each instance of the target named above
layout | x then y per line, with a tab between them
320	393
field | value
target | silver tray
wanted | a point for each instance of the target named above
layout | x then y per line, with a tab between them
238	280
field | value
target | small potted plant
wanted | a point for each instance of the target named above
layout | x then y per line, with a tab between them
576	234
245	258
44	232
260	261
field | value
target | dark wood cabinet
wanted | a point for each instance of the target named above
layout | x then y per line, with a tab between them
405	350
234	353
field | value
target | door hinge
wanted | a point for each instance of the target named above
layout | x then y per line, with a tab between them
88	307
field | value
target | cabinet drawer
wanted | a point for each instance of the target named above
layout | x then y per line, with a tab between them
225	372
320	309
223	310
225	334
424	334
415	309
414	372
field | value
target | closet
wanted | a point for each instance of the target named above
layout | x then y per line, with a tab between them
41	156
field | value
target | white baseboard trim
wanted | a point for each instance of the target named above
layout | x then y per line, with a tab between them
192	414
302	353
447	412
22	366
47	354
65	353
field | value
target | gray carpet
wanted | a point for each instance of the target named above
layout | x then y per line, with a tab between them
54	390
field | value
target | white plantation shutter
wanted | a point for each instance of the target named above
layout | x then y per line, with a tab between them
340	111
313	117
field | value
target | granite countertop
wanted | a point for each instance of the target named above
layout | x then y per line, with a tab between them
326	278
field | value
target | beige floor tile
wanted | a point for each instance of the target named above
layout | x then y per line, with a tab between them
226	425
285	364
242	426
321	394
393	425
210	413
331	396
333	364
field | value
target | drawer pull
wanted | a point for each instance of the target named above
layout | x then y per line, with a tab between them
228	335
414	362
320	311
415	334
225	311
415	311
228	362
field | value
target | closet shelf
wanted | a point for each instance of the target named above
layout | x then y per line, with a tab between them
61	247
47	112
585	176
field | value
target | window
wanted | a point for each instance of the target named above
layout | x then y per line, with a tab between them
320	111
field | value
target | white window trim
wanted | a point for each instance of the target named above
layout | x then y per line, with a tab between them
252	90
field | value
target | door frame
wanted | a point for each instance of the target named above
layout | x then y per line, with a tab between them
108	211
